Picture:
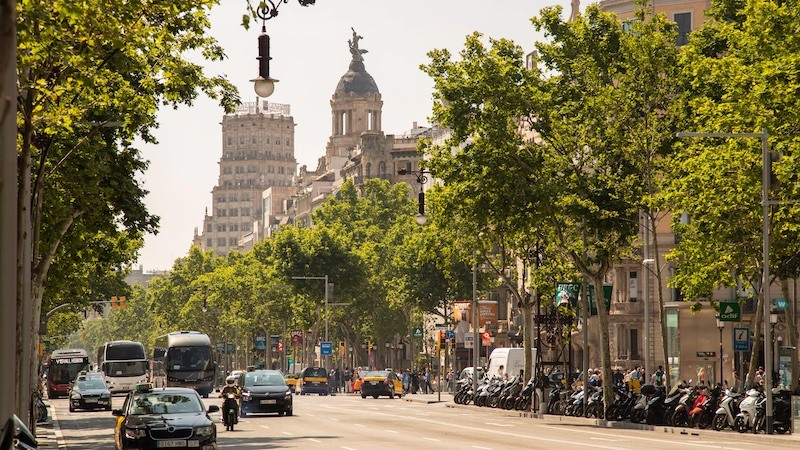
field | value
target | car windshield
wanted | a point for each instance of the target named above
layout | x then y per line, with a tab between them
165	403
378	373
263	379
91	384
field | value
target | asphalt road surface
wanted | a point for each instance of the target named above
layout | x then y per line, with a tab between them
350	422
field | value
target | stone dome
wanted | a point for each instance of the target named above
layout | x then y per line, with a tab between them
357	81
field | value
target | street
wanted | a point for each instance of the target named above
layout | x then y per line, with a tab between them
350	422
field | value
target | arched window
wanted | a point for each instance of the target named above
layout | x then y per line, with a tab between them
382	169
368	170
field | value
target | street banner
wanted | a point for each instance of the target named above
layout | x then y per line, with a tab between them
567	294
487	311
607	292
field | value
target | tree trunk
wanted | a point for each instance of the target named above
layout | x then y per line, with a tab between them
751	372
605	350
527	336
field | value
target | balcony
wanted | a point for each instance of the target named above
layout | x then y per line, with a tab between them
627	308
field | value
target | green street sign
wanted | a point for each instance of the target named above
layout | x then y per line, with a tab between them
567	294
780	304
417	333
730	312
608	290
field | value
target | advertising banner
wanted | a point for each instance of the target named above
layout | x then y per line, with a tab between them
487	312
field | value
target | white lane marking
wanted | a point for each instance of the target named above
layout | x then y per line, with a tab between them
484	448
288	434
628	437
359	425
391	431
348	448
314	440
432	439
333	419
605	439
499	424
264	426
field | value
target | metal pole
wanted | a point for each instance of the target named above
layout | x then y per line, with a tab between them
326	320
721	370
585	318
765	285
475	349
646	289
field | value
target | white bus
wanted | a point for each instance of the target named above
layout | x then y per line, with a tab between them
124	364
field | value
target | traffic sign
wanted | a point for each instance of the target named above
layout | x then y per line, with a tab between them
486	338
449	334
741	339
326	348
469	341
417	333
730	312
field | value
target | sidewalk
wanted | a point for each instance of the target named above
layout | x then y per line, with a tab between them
447	401
48	434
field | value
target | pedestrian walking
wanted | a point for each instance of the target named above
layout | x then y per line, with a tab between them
428	387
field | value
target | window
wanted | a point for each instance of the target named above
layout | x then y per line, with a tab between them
209	242
288	142
209	228
675	293
221	198
220	242
635	343
241	140
230	140
232	242
227	170
633	286
255	139
233	212
246	226
221	213
239	169
234	227
246	212
277	141
221	227
684	22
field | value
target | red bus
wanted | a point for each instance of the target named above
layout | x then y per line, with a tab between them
63	367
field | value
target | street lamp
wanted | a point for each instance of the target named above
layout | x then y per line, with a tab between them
264	84
766	163
422	180
720	326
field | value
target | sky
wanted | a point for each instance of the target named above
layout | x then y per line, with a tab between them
310	53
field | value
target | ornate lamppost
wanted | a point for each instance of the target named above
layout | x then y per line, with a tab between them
264	84
422	179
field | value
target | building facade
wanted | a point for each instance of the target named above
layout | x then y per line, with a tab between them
257	154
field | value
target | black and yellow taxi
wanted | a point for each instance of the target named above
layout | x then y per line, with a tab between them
167	417
381	382
293	380
314	381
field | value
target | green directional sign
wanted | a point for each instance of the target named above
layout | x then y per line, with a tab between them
730	312
417	332
780	304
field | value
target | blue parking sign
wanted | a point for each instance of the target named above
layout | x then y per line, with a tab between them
741	339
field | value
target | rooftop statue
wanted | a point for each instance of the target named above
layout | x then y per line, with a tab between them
354	50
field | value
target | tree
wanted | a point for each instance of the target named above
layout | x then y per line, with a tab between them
739	76
88	85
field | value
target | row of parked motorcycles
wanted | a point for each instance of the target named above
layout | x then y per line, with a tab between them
496	393
684	405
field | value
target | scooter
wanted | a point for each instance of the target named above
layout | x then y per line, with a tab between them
781	412
229	411
725	415
702	415
526	396
745	420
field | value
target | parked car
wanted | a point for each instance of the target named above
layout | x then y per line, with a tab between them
164	417
381	382
89	393
265	391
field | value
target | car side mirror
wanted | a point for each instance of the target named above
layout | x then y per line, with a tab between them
117	413
213	408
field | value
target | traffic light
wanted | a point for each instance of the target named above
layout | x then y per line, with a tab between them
774	184
122	301
114	303
341	348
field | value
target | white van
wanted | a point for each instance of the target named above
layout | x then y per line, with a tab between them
512	360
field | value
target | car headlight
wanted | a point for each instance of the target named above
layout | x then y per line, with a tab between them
205	431
105	395
135	433
75	396
288	393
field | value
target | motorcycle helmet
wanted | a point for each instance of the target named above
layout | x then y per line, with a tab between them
230	380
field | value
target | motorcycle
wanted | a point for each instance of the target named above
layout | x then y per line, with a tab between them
705	407
525	397
727	410
229	411
638	409
745	420
781	412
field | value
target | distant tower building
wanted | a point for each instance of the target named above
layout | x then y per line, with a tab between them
257	153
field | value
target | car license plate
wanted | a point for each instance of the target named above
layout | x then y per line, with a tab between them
374	383
172	443
269	402
91	400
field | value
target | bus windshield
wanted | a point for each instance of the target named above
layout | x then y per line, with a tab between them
62	372
189	358
125	368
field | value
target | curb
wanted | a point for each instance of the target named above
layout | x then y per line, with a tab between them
48	434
